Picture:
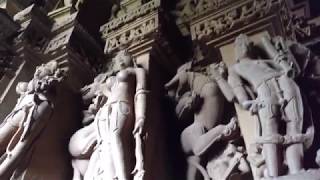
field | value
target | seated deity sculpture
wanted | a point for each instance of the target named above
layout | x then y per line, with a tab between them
27	121
278	105
202	96
113	140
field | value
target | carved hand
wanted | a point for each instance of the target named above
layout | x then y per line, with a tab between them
138	171
251	105
138	128
217	70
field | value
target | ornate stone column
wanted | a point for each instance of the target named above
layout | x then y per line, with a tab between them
143	28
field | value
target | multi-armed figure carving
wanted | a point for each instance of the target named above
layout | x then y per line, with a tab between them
120	105
202	95
21	128
278	102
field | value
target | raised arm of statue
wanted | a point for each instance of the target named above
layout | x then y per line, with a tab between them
280	59
216	73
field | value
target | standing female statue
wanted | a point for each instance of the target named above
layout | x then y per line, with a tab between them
202	95
28	119
118	124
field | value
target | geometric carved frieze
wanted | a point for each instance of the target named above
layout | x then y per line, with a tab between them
187	10
242	14
190	9
59	40
129	16
134	32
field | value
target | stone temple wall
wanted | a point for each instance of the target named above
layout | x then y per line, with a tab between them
159	89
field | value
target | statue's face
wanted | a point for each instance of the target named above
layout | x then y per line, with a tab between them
125	62
242	44
41	72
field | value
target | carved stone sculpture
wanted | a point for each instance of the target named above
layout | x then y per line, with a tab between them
27	121
118	124
278	101
201	95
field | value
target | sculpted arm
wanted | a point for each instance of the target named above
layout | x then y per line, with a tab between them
222	83
238	89
140	115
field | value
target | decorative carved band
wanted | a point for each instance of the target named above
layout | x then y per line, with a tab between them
59	40
69	20
136	32
187	10
244	13
129	16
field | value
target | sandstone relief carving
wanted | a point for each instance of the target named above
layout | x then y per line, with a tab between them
240	15
129	16
277	102
189	9
202	95
129	36
22	128
113	144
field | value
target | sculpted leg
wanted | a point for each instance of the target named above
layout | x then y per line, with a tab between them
82	142
8	129
25	136
294	152
188	137
120	120
217	133
101	165
193	162
271	151
118	157
81	148
79	168
293	114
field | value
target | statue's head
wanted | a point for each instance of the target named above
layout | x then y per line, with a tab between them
242	47
46	69
122	60
22	88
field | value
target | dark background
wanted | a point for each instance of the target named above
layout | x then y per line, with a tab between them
315	7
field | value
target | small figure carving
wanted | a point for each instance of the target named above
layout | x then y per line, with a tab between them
123	113
21	128
199	94
185	9
278	100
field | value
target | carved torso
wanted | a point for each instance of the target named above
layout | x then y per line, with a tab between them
255	71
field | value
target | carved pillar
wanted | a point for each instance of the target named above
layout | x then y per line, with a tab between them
143	30
72	44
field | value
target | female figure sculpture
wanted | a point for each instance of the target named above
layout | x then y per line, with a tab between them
29	117
122	115
278	100
201	95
